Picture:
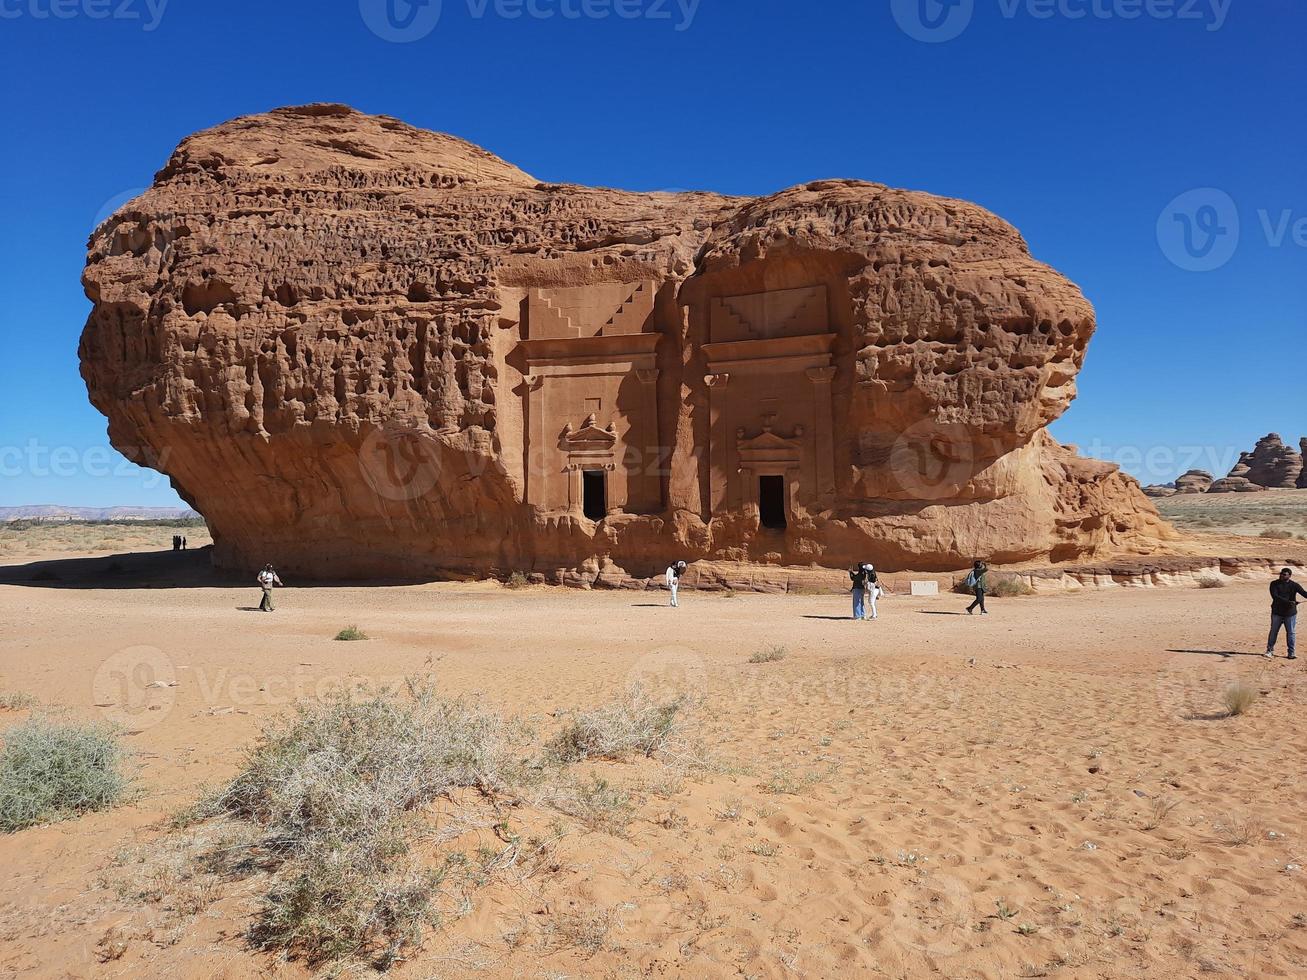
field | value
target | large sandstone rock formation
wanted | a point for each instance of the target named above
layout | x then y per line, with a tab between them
360	348
1302	475
1271	466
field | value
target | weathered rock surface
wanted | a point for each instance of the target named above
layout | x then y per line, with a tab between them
1194	481
1160	490
1235	484
1271	465
1302	451
360	348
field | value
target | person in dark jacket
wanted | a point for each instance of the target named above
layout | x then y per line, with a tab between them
858	576
1284	611
976	580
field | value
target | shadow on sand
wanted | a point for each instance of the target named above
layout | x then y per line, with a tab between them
1217	653
192	569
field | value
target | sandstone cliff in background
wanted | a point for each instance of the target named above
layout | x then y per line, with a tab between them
360	348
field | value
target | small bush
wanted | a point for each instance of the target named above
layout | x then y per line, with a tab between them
630	726
1007	586
598	804
516	581
1211	582
996	585
52	772
768	655
1239	697
15	701
350	633
332	793
1276	534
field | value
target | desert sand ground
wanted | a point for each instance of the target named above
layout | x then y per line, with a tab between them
1051	790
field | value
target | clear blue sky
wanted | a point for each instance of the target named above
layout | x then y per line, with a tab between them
1079	130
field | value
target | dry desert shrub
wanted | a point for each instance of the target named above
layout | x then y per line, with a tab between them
351	633
15	701
51	771
999	585
332	793
632	725
1161	809
1239	697
598	804
1276	534
1211	582
768	655
1237	831
516	581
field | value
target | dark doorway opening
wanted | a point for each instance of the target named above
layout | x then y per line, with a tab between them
594	494
771	501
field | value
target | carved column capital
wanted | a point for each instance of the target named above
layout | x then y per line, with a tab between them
647	375
716	380
820	375
533	381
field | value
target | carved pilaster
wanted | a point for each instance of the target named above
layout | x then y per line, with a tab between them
534	492
648	481
721	465
824	437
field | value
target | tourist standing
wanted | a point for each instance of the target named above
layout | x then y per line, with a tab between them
858	576
673	577
1284	611
976	581
267	579
873	588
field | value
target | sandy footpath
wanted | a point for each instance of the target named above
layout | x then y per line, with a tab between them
1047	791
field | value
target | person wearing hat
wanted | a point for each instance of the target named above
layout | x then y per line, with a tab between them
873	588
858	576
267	579
673	578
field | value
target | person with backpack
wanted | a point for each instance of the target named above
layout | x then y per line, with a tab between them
873	588
858	576
975	581
673	579
267	579
1284	611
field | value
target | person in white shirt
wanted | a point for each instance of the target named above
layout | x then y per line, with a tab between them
267	579
673	578
873	588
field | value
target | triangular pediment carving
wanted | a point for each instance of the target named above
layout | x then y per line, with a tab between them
590	437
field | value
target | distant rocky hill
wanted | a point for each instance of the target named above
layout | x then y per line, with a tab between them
54	512
1270	466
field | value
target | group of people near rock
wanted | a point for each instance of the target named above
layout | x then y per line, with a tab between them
866	589
178	542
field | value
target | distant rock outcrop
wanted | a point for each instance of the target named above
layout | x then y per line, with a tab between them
1194	481
1235	484
1302	451
1160	490
1271	466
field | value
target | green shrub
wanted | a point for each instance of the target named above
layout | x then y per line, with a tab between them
51	771
350	633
